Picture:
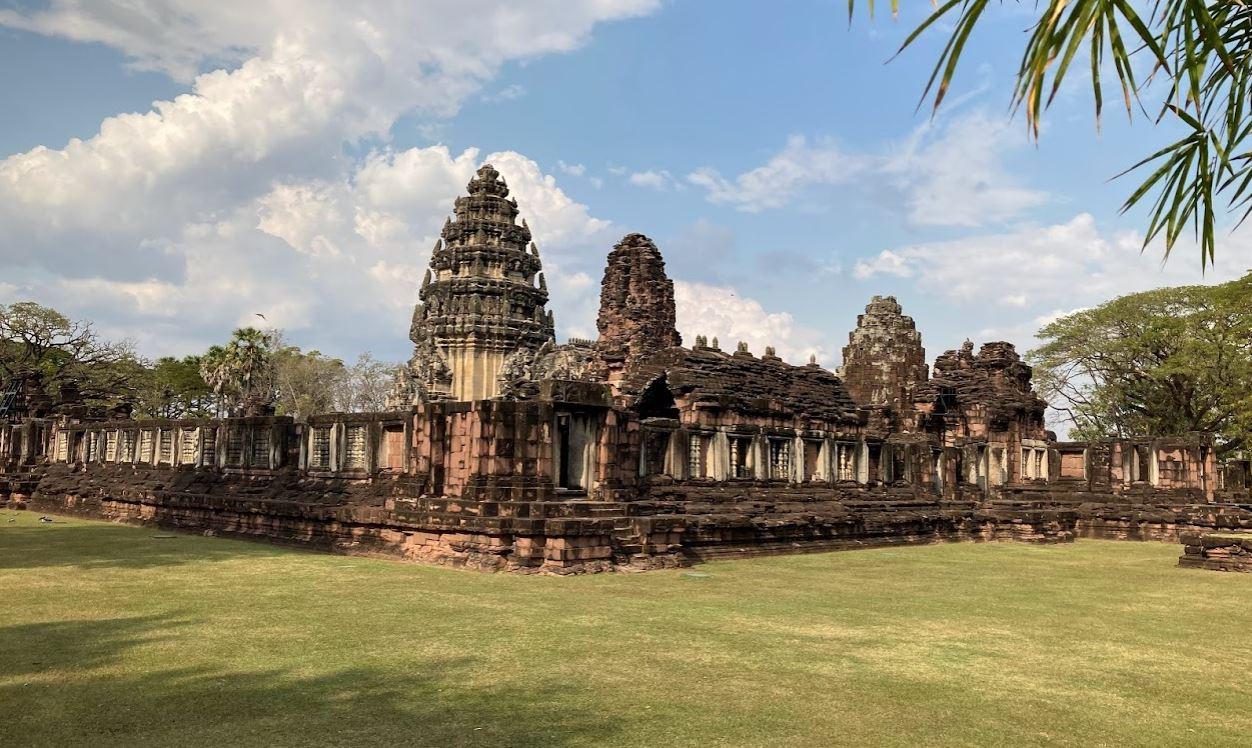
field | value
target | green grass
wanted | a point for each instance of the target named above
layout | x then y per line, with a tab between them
113	635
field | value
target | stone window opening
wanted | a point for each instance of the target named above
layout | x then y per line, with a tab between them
813	461
188	446
874	453
234	447
1140	461
655	448
976	468
575	439
208	447
355	456
697	456
166	441
900	464
1028	466
997	467
110	446
846	457
62	448
146	446
127	448
780	459
740	457
319	448
259	454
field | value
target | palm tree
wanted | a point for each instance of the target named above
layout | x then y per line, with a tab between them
241	373
1199	54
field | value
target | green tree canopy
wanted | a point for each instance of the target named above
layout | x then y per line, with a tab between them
38	342
242	372
1167	361
308	383
1186	61
174	388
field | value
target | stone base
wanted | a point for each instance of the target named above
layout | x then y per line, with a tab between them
1217	552
670	526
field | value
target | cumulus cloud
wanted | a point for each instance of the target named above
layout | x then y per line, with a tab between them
722	312
948	173
239	197
1062	264
335	262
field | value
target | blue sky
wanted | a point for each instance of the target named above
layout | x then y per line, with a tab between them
774	155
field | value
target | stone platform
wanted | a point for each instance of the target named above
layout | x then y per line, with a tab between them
1217	551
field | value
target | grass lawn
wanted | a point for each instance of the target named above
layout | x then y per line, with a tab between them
113	635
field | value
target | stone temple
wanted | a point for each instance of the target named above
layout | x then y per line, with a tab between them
506	450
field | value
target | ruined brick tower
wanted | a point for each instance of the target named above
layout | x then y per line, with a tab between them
637	316
482	299
884	360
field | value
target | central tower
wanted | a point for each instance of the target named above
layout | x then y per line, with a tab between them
482	299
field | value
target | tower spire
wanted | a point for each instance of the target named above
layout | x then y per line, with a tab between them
482	273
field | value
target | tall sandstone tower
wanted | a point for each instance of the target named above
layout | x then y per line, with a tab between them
637	313
483	298
884	360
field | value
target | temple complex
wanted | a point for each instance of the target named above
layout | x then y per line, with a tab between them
505	450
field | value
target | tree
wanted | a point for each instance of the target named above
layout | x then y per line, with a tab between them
175	388
1199	54
241	373
1167	361
364	389
308	383
40	343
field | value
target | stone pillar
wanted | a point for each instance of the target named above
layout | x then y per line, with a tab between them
719	456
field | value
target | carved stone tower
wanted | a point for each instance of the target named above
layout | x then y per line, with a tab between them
637	315
884	359
482	300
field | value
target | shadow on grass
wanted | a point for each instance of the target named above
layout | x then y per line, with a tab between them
77	645
72	542
83	683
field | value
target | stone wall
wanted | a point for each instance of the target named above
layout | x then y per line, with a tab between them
1217	552
744	518
480	485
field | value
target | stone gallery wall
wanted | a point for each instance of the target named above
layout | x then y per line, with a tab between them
480	485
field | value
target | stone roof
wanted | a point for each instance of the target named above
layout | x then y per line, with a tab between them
742	382
994	378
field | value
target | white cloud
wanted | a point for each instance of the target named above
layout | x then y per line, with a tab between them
454	38
773	185
510	92
314	75
948	174
238	197
952	175
721	312
886	263
656	180
1064	264
573	170
336	263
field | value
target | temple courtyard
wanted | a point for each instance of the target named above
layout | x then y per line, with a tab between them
112	634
